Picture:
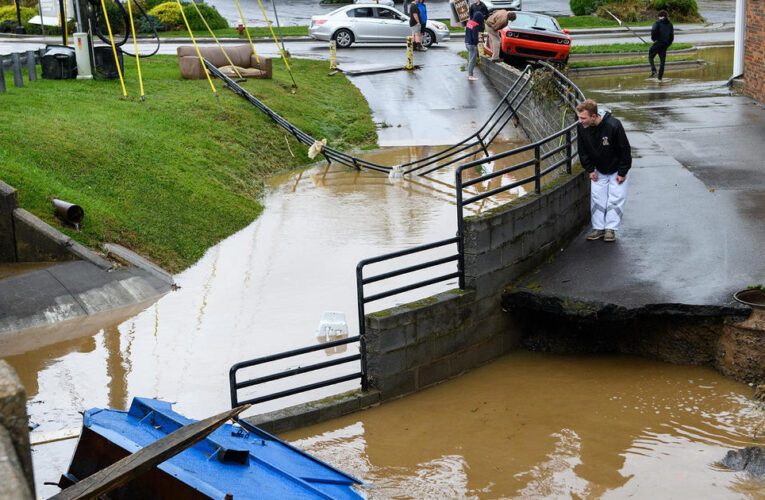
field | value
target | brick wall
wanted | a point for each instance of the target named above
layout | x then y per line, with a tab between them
754	50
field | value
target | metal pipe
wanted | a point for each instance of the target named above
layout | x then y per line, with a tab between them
68	212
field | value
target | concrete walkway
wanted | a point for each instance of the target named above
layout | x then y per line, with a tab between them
693	231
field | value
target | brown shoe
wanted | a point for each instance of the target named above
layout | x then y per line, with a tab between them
595	234
610	235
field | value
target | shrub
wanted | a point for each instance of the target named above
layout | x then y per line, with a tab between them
678	9
144	24
8	26
169	14
8	13
211	15
583	7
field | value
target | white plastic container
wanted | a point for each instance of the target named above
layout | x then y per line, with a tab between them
82	54
332	326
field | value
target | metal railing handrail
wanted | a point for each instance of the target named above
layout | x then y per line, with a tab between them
234	386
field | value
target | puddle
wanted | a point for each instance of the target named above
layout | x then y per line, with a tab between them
11	269
532	425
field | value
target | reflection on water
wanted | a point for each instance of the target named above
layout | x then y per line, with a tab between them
261	291
539	426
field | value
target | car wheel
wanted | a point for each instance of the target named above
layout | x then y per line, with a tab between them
344	38
428	38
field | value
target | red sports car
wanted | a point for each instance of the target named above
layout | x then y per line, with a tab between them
535	36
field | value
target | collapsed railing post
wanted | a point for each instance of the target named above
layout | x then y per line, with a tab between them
460	229
2	74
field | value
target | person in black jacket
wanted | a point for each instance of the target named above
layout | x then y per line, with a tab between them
605	154
662	34
479	6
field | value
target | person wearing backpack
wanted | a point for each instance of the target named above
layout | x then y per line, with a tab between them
416	23
472	29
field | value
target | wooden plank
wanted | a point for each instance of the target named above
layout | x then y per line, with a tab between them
31	65
36	438
17	78
146	458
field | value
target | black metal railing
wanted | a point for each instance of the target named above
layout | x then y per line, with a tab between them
504	111
544	162
363	298
235	386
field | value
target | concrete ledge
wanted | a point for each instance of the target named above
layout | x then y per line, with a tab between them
131	258
315	412
37	241
634	68
14	437
8	203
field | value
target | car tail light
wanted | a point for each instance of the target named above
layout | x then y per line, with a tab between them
318	21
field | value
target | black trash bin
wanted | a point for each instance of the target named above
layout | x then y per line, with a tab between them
58	62
104	59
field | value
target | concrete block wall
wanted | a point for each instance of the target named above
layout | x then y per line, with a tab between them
754	55
16	477
8	203
414	346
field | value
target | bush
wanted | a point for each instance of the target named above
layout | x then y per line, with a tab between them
144	24
678	9
8	13
169	14
211	15
583	7
8	26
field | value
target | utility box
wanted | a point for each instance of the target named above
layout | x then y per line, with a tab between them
82	52
58	62
106	69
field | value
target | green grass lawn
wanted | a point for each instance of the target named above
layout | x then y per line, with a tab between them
621	47
169	177
622	62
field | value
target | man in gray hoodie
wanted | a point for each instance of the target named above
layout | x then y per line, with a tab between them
662	34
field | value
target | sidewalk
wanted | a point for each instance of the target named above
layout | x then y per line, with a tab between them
692	232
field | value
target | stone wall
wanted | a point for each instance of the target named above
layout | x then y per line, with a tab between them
754	54
16	477
8	203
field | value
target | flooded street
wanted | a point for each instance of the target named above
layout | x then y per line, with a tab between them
528	425
542	426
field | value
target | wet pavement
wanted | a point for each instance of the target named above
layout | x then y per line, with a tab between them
533	425
692	232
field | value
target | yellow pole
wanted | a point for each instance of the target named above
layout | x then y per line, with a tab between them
248	32
332	55
199	54
409	61
114	49
135	47
480	44
277	42
215	38
64	26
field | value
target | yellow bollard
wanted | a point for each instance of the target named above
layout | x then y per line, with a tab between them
332	55
480	43
409	57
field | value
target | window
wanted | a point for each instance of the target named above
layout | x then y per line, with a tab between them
387	14
361	12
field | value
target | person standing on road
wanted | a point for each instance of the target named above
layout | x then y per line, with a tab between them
662	35
423	21
415	21
496	21
479	6
605	154
472	29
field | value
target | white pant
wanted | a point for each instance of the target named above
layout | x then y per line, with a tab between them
607	199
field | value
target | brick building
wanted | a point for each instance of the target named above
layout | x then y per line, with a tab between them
753	81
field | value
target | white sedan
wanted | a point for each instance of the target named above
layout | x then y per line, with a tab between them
371	23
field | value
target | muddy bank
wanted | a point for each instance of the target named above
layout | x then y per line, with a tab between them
682	334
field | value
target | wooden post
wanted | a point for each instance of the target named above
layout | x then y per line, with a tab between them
2	74
17	79
31	65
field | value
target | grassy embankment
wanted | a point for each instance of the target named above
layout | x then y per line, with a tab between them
621	48
168	178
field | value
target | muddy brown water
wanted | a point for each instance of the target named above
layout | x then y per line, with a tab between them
531	425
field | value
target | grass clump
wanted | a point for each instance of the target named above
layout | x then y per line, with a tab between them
167	178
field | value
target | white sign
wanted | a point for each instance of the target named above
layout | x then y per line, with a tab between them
50	13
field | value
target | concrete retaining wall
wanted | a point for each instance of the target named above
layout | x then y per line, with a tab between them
16	477
25	238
